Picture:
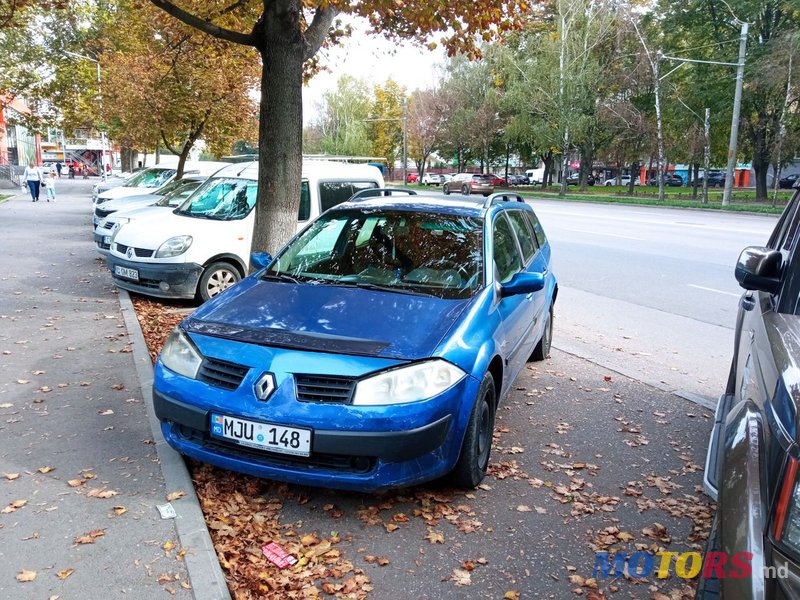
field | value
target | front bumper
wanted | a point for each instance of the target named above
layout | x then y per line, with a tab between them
371	448
181	278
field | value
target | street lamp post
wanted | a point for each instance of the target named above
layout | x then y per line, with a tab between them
99	100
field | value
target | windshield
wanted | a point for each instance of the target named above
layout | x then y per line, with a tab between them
222	198
171	186
150	178
179	193
405	252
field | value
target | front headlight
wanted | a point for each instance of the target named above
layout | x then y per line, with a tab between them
174	246
118	223
180	354
407	384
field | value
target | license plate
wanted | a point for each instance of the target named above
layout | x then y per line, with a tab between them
126	272
263	436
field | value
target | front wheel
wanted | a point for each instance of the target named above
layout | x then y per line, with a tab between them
465	190
474	459
446	190
542	349
217	278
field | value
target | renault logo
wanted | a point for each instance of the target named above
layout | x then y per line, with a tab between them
265	386
130	253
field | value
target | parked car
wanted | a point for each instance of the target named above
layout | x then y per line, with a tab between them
203	247
469	183
152	178
752	462
623	181
575	179
498	181
715	179
518	180
670	180
140	207
412	177
105	209
372	352
431	179
789	181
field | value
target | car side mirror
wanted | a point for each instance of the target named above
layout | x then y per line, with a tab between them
260	260
522	283
759	269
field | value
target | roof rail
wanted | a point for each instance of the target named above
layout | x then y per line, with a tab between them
373	192
502	197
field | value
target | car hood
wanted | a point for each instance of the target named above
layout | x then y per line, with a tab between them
159	226
131	202
328	318
142	212
123	191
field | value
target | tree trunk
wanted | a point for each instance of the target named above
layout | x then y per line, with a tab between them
695	181
761	158
634	175
564	164
280	163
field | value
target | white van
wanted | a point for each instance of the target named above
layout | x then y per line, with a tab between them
152	178
203	246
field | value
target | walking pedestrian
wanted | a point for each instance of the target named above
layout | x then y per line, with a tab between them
33	177
72	170
49	184
58	168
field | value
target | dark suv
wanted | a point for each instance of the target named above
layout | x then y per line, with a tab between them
715	179
753	459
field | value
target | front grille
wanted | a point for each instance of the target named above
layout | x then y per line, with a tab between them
108	225
139	252
323	388
222	374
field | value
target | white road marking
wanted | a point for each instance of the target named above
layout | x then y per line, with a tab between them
625	237
708	289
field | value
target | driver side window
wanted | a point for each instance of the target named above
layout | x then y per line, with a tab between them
506	254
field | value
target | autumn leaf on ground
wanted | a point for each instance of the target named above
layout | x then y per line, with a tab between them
90	537
168	545
11	476
65	573
461	577
435	537
511	595
23	381
76	482
390	527
383	561
25	576
120	510
118	386
14	506
98	493
105	412
524	508
45	469
172	496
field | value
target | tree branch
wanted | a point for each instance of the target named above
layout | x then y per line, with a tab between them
167	145
246	39
316	33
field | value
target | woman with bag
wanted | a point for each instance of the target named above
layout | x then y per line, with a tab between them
33	177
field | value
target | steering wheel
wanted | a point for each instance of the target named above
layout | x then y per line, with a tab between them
447	263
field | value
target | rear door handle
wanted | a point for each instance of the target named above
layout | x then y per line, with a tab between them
748	302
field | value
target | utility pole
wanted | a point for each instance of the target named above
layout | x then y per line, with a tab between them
706	153
737	107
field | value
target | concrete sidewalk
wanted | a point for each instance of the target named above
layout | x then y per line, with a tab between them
77	457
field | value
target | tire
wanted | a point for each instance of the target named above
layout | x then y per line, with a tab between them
446	189
608	184
216	278
474	459
542	349
465	190
709	588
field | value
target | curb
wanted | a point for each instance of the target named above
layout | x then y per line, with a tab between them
205	573
710	404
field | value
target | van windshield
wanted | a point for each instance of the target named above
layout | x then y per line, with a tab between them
150	178
222	199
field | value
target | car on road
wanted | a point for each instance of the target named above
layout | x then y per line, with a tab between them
432	179
499	180
141	207
372	352
715	179
412	177
789	181
670	180
469	183
752	464
518	180
203	247
625	180
575	179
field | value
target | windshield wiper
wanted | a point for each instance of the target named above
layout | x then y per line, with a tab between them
381	288
279	277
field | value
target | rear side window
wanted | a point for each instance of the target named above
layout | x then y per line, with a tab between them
332	193
506	255
305	202
524	236
537	228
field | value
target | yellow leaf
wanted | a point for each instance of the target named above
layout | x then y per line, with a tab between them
65	573
45	469
25	576
168	545
11	476
175	495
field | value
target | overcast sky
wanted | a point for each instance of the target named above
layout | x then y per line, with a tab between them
374	59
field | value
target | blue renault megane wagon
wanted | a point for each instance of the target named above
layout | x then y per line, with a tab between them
372	351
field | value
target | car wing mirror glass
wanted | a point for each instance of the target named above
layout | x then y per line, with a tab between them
260	260
759	269
522	283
